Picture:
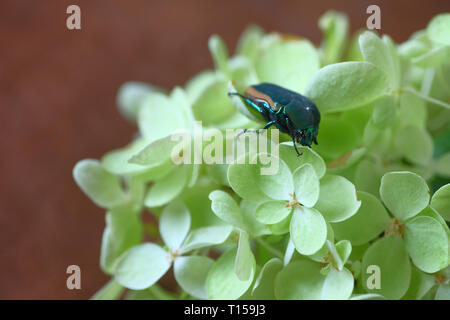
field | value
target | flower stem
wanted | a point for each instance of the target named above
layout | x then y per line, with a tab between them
427	98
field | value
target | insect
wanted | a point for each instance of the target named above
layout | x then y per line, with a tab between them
288	111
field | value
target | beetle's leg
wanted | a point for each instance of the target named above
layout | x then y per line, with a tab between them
291	133
256	131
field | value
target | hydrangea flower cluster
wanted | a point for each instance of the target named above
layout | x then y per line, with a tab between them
363	215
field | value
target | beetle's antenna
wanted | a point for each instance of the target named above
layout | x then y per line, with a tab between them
236	94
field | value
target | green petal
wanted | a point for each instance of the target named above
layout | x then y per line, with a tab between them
441	201
337	200
338	285
306	185
334	26
263	289
110	291
100	186
130	97
205	237
376	51
248	44
299	280
289	156
142	266
438	29
165	190
390	255
244	258
404	193
271	212
427	243
219	53
288	63
222	283
346	85
154	124
415	144
367	224
191	272
308	230
224	206
248	182
443	292
174	224
421	283
123	230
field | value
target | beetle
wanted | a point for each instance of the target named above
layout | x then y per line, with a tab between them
289	111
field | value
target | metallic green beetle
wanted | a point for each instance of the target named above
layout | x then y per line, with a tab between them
289	111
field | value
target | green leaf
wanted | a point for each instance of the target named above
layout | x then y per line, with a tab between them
334	26
308	230
206	236
123	230
367	224
415	144
110	291
337	199
306	185
427	243
338	285
99	185
222	283
288	63
191	272
404	193
174	224
299	280
219	53
390	256
224	206
263	289
271	212
289	156
142	266
441	201
346	85
244	257
438	29
375	51
165	190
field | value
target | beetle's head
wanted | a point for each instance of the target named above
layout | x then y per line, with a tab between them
307	136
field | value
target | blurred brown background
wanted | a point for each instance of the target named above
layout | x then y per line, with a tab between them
57	98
